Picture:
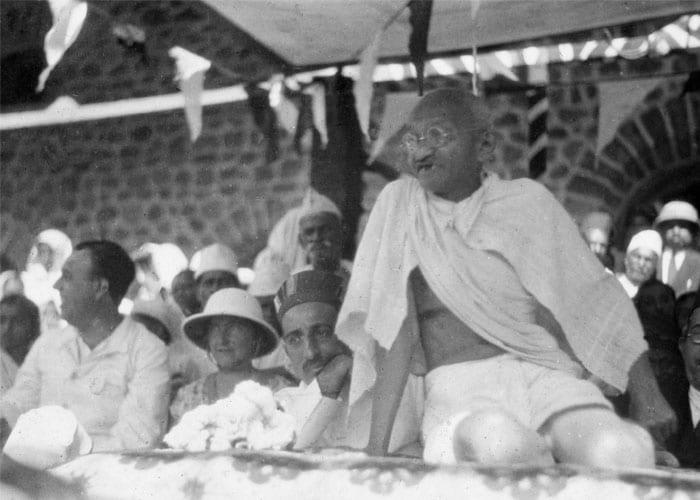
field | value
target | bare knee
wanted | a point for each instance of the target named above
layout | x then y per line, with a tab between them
494	436
614	443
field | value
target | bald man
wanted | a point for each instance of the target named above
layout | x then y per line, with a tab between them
486	287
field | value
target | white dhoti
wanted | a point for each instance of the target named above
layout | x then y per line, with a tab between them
530	393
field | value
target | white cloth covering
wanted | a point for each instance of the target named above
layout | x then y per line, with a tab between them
630	288
530	393
47	436
593	320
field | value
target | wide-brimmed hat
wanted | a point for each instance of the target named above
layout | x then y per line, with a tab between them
235	303
162	311
677	211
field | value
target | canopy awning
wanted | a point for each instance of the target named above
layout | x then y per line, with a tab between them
313	33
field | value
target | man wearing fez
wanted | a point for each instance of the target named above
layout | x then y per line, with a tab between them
107	369
486	287
308	304
680	263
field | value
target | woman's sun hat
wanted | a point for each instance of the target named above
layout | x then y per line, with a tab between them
235	303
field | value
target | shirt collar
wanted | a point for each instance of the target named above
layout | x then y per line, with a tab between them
115	342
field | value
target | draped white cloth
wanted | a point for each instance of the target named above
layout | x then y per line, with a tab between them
583	315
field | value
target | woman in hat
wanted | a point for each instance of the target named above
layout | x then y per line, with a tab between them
231	329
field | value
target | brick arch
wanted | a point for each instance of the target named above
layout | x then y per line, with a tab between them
655	151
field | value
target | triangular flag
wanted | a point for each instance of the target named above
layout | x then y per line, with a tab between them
418	42
287	113
190	77
68	19
317	91
364	86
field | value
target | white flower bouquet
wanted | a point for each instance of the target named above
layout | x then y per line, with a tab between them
248	418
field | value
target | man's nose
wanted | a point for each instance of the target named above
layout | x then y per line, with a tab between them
310	350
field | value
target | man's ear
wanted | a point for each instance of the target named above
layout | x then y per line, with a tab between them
102	287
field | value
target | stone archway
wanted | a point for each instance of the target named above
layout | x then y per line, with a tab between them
654	154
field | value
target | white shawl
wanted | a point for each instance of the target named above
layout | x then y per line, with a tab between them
595	323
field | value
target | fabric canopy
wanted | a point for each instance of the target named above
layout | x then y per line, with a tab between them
309	33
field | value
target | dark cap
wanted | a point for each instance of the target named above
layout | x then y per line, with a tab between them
309	286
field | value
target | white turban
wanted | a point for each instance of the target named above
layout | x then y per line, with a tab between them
314	203
649	239
60	245
271	271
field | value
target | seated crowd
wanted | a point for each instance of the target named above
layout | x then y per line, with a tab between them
477	323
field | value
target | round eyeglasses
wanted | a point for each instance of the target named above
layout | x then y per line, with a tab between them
435	137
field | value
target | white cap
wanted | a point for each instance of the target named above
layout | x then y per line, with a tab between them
270	273
649	239
216	257
168	260
59	243
314	203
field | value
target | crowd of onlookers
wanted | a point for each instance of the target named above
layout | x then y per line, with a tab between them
208	332
190	305
660	271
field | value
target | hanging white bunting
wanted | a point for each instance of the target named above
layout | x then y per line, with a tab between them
317	91
68	19
190	77
287	113
364	85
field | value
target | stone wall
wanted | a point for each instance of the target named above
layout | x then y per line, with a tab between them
656	147
138	179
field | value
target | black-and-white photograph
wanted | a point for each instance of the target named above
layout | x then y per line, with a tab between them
350	249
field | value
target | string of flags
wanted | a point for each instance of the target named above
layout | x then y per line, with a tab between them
69	17
303	106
